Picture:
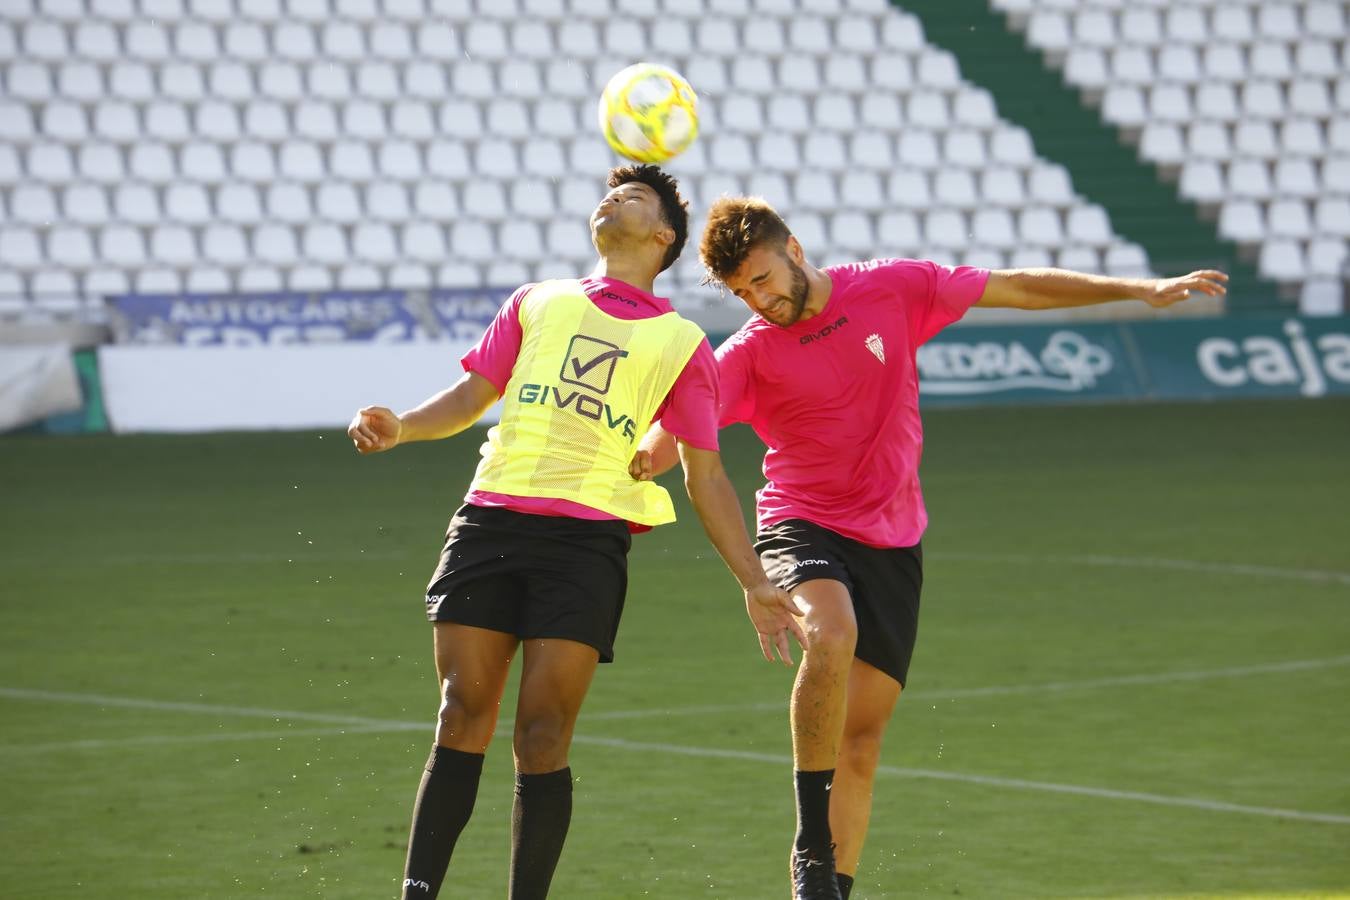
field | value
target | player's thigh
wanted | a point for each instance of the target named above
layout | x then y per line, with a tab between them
472	664
554	678
827	608
872	695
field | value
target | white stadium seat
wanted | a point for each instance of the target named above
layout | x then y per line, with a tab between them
225	245
325	243
1242	221
19	248
275	243
1126	260
86	204
945	228
1089	225
1332	215
1282	260
315	121
173	244
187	203
1202	181
207	281
994	228
239	203
1002	186
153	163
137	203
158	281
34	204
1087	67
1249	179
1040	226
955	188
388	201
898	232
246	41
105	283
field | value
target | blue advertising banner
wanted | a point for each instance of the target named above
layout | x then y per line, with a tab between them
304	318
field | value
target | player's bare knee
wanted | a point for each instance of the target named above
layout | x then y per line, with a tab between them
860	750
831	639
541	744
459	724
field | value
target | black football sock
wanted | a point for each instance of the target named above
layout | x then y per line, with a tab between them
845	884
442	809
813	808
539	820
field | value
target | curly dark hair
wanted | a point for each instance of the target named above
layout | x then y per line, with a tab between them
737	225
674	208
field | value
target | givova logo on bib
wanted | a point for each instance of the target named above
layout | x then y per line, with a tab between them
588	365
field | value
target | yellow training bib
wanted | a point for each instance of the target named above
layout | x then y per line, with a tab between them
583	391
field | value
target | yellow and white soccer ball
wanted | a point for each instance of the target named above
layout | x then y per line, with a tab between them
649	113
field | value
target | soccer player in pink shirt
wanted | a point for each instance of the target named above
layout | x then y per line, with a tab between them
825	374
537	555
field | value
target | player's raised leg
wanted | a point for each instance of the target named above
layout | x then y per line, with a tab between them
818	712
871	700
554	679
471	665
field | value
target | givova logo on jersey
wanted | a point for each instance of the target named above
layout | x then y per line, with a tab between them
587	371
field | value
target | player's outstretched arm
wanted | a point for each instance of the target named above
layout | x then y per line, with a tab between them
1061	288
376	428
770	608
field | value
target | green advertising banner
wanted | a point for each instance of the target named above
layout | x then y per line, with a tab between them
1175	359
1275	356
1168	359
1021	364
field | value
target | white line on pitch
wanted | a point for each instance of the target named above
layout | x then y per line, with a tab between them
374	725
157	739
920	695
1150	562
988	780
206	708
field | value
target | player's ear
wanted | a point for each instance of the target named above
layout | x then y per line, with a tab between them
666	235
794	250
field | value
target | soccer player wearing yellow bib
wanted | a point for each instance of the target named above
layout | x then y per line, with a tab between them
537	556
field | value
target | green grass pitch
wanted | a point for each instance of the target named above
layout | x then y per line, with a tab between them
1132	678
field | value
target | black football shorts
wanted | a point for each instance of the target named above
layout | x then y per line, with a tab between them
533	576
883	582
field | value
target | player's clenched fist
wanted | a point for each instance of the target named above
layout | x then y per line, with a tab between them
375	428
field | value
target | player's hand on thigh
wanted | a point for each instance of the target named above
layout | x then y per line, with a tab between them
774	615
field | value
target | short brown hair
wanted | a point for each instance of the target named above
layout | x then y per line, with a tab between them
674	208
737	225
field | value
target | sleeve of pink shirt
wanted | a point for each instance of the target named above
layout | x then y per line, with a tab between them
935	295
690	409
494	356
736	387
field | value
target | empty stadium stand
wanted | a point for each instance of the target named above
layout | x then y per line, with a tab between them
1243	105
208	145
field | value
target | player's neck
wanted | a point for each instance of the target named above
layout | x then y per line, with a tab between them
819	286
631	272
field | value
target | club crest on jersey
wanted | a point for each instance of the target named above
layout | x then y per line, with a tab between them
878	349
